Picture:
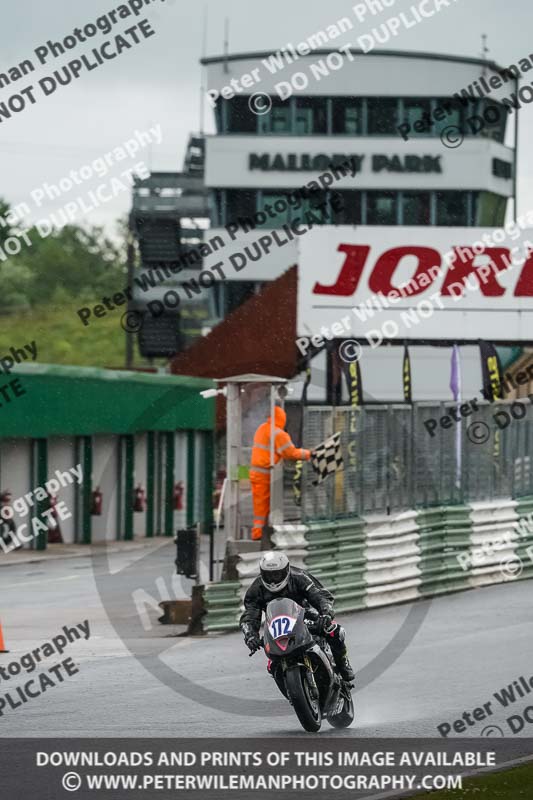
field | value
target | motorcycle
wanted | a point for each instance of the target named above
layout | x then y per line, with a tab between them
303	667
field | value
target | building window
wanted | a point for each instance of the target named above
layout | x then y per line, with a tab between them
489	209
240	203
279	118
239	118
217	207
452	208
219	118
314	200
416	208
414	110
311	115
494	117
382	208
348	115
280	209
458	208
350	213
453	116
382	115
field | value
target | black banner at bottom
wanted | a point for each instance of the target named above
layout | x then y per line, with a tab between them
305	767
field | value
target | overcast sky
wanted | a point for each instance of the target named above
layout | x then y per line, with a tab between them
157	81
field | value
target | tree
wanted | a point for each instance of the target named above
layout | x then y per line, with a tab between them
6	228
80	261
16	282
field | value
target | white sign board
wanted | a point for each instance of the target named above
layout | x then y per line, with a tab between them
395	283
388	162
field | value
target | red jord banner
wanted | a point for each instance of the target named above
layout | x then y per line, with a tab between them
386	283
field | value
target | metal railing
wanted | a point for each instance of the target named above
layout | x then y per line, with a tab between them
392	462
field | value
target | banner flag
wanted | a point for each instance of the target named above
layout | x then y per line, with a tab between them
406	372
491	371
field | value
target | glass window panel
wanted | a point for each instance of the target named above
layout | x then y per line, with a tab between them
239	203
489	209
416	208
382	208
278	119
452	208
216	200
311	115
239	117
276	216
219	118
382	115
417	110
348	116
308	203
453	116
494	117
350	213
304	121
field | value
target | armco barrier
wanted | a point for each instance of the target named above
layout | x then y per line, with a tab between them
382	560
222	602
444	534
524	544
336	556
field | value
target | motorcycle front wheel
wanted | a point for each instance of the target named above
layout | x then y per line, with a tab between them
345	717
307	708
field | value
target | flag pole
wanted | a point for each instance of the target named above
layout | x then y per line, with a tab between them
455	386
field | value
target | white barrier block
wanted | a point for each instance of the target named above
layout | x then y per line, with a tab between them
390	577
284	540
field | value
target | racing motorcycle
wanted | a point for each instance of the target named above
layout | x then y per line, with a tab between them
302	665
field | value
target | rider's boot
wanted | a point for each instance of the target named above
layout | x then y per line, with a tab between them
345	668
340	654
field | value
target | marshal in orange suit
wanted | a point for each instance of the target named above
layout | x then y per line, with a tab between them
260	465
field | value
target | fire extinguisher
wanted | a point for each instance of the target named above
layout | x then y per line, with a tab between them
96	502
54	531
178	496
139	498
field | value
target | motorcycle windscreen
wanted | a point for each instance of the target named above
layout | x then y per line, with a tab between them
284	625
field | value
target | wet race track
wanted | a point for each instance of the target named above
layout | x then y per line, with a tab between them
418	666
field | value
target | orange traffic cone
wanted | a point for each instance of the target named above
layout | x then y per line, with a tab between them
2	645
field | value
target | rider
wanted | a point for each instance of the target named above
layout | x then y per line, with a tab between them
278	579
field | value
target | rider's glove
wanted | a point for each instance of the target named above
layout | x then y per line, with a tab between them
252	641
325	621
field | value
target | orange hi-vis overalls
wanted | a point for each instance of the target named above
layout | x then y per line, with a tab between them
260	465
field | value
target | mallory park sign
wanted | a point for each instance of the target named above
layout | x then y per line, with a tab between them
303	162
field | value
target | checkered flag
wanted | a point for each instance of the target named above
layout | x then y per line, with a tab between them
326	458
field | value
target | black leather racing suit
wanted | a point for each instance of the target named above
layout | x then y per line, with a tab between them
300	587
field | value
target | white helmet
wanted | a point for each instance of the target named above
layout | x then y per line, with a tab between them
274	569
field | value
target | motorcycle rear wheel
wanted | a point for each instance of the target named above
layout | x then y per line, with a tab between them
307	710
345	718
